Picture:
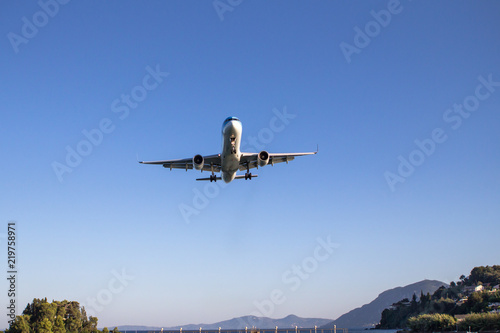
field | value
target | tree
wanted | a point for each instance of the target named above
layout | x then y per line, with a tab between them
61	308
414	303
476	303
441	292
45	326
432	322
20	325
40	316
59	325
485	274
90	325
480	322
424	301
73	317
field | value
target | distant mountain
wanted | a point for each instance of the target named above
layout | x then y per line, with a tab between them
366	316
242	322
369	314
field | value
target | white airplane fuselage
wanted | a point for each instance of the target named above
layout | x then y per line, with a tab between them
231	154
231	159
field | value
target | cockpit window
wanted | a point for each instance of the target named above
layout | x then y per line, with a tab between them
228	119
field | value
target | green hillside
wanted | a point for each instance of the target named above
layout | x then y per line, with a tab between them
476	294
368	315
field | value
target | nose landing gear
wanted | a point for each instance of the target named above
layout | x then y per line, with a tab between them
233	145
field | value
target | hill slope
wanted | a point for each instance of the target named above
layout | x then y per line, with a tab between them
369	314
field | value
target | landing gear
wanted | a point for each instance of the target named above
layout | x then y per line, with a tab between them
233	145
213	177
248	175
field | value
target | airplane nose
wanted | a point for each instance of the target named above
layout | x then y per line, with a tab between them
231	126
228	177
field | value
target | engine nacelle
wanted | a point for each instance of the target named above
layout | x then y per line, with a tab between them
263	158
198	162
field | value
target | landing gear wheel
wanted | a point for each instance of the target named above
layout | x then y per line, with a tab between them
248	176
213	178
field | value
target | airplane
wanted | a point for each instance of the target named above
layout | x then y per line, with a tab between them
231	159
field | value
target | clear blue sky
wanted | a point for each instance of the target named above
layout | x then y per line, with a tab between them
397	83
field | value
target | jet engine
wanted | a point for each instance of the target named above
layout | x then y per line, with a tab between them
263	158
198	162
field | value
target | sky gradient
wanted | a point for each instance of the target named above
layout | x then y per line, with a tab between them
403	99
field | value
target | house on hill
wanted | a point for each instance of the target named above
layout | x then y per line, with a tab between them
472	289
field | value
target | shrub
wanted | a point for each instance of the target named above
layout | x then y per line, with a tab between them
432	322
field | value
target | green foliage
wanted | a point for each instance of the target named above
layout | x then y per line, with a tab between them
445	301
397	315
400	312
476	302
57	317
73	317
488	274
480	322
59	325
494	297
45	326
20	325
432	322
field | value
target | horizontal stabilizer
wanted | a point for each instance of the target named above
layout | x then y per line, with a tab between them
208	178
243	176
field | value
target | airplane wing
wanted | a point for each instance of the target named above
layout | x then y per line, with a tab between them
187	163
250	159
